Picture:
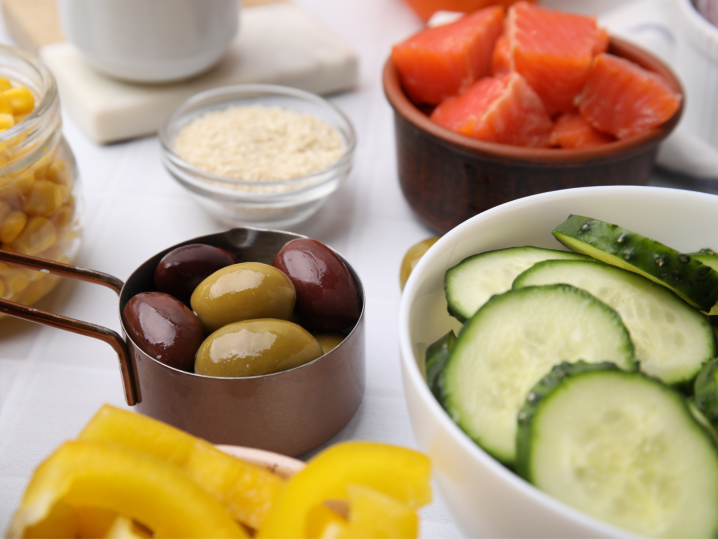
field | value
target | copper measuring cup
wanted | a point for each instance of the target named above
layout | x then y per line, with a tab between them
289	412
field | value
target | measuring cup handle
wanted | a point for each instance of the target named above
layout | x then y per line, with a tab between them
127	364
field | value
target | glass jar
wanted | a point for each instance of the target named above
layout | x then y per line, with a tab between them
39	184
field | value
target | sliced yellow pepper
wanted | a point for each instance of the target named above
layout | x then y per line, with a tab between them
94	521
377	515
125	528
245	491
60	522
137	485
323	523
398	472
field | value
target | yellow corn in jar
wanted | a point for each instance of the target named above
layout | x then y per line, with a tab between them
39	187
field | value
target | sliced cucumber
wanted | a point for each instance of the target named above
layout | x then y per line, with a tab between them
473	281
513	341
622	447
709	258
687	277
705	391
672	339
436	357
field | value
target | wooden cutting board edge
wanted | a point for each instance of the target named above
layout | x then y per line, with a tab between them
36	23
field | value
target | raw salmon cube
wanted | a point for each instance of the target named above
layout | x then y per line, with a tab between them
501	57
553	51
624	99
571	130
443	61
499	109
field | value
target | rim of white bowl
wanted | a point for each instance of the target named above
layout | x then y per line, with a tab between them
408	359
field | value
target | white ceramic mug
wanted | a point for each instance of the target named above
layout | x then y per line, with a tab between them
150	40
696	61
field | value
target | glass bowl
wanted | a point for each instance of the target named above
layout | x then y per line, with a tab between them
265	203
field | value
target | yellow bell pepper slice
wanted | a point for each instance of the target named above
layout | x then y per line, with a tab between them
245	491
135	484
94	521
125	528
60	522
373	514
107	524
395	471
323	523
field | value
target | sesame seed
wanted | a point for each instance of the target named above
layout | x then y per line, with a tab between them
259	143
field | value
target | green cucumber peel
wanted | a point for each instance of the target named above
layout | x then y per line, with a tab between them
683	274
543	388
436	357
705	391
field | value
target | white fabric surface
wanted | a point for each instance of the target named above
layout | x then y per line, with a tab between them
52	382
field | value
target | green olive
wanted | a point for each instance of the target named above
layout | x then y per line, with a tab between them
243	292
256	347
329	341
412	257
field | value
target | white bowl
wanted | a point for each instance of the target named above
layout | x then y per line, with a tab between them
484	498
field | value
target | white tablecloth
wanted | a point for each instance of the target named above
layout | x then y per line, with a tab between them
52	382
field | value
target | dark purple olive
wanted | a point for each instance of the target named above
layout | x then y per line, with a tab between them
327	296
182	269
164	329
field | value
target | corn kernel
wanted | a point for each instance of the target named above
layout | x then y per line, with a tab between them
63	218
5	105
58	172
16	187
38	235
63	193
34	292
5	292
12	227
5	84
51	253
20	117
6	121
5	210
40	167
44	198
21	99
17	283
15	278
8	270
13	142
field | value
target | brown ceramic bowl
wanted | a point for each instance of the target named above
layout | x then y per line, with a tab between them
289	412
447	177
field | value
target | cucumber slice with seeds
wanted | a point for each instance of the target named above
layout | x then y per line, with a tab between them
474	280
687	277
672	339
621	447
511	343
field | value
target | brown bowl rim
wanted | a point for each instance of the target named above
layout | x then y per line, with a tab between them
517	155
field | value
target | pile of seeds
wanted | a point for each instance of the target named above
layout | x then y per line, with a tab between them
259	143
